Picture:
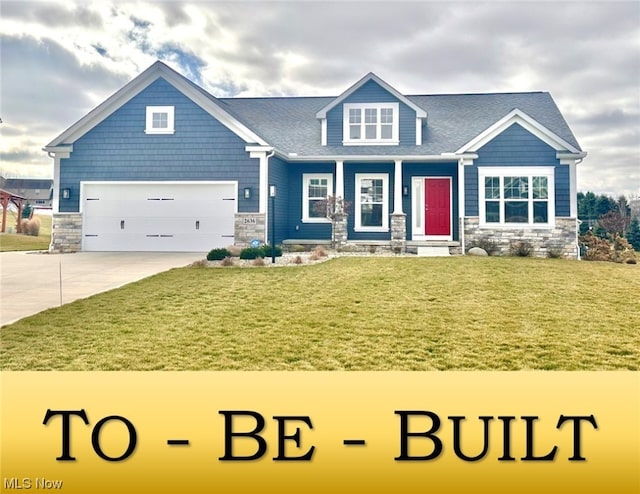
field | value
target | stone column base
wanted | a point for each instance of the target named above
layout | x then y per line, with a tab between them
248	227
66	232
398	232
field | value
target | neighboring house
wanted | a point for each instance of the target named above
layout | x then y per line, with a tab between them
162	165
38	192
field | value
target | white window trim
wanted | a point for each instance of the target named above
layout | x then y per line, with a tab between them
395	139
169	110
517	171
306	177
385	203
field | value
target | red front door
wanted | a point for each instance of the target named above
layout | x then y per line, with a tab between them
437	206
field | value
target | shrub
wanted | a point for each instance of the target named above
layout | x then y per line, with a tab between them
227	261
218	254
258	261
251	253
372	249
30	227
267	251
614	249
297	260
555	251
319	252
202	263
234	250
489	245
521	248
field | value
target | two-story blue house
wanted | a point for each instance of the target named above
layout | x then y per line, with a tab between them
162	165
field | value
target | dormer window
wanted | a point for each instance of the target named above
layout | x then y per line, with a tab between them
370	123
160	120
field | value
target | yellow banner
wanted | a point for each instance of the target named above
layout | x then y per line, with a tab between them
292	432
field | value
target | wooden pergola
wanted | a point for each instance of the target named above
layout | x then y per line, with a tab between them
7	198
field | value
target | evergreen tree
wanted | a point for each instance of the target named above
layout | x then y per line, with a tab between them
633	233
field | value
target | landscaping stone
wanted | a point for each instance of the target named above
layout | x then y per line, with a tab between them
477	251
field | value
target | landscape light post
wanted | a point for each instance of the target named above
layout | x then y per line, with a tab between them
272	195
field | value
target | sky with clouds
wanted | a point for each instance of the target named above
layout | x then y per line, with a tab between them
60	59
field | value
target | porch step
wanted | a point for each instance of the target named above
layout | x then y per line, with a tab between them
434	251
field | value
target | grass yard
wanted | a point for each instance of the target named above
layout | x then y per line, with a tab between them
14	241
377	313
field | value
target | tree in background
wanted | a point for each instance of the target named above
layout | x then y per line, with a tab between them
633	233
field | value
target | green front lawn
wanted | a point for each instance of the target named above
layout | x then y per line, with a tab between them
377	313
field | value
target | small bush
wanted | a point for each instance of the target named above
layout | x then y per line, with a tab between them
267	251
319	252
521	248
218	254
227	261
258	261
234	250
30	227
372	249
489	245
251	253
555	251
297	260
202	263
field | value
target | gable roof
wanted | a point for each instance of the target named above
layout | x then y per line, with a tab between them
288	123
156	71
457	122
322	113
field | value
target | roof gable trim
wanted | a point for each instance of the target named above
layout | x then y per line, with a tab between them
525	121
322	113
136	86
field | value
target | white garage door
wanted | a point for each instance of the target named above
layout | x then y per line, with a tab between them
158	216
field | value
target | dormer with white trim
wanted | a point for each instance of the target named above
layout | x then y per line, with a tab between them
371	113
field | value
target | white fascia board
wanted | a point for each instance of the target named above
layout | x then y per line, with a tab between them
420	113
570	156
136	86
528	123
390	158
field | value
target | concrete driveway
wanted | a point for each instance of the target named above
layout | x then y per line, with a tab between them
31	282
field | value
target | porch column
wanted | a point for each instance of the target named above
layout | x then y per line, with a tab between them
461	206
340	178
397	188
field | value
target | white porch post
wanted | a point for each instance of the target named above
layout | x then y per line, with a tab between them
339	178
573	184
461	204
397	188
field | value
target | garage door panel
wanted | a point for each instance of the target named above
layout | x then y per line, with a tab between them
158	217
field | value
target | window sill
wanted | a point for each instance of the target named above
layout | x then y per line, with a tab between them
147	131
371	143
371	229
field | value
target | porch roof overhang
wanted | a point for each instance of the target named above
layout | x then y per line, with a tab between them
452	157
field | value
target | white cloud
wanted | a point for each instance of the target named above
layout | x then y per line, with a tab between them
62	58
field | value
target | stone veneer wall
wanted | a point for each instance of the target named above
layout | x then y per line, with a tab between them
562	237
249	226
66	232
398	232
339	231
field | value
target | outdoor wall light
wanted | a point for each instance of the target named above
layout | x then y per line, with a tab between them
405	190
272	190
247	192
66	193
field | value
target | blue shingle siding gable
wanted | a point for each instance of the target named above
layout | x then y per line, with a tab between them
371	92
200	149
515	146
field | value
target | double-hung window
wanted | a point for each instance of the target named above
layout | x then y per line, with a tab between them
160	120
372	202
516	196
316	188
371	123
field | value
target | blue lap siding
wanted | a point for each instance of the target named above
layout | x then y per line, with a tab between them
118	149
517	147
